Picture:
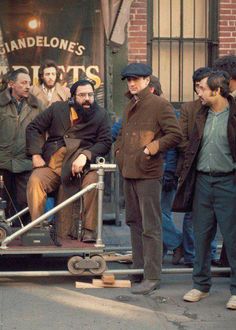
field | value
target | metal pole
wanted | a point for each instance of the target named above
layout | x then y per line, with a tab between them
47	215
214	270
100	188
17	215
117	195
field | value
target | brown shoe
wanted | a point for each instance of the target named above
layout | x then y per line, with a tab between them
145	287
178	254
89	236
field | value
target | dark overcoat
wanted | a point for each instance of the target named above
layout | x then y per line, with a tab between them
91	138
184	196
188	112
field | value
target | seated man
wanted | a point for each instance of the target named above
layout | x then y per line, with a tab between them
78	131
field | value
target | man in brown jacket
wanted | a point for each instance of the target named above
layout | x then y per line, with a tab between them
207	182
50	89
149	128
188	113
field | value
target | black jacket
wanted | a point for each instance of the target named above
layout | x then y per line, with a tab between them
92	138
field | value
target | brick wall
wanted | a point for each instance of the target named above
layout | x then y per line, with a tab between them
137	32
227	27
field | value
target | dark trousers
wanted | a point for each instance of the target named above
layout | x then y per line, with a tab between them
15	192
143	216
214	202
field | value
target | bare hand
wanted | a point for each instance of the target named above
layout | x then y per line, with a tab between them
146	151
38	161
78	164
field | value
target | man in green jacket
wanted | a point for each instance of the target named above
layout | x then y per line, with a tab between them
149	128
17	109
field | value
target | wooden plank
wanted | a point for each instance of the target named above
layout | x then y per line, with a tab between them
84	285
116	284
99	284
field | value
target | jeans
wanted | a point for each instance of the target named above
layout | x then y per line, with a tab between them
172	236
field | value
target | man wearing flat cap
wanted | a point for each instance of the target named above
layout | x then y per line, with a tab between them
78	131
149	128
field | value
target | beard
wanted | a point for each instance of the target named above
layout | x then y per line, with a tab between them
51	84
85	110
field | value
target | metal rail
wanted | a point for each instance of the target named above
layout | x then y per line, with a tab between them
46	215
101	167
214	271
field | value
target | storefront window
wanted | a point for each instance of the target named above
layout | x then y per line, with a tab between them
69	32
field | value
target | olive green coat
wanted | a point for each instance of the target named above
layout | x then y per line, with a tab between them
12	132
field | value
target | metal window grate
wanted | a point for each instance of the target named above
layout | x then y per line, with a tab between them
183	37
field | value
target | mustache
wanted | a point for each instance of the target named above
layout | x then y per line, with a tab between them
86	103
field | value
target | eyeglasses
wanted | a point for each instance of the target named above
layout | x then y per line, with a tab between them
83	95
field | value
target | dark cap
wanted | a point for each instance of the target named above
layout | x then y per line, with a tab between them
136	70
81	82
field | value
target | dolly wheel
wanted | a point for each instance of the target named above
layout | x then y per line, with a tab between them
101	265
4	232
73	265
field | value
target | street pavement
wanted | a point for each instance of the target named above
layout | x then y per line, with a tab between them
54	302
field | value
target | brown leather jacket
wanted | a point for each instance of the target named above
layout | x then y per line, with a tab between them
184	196
148	121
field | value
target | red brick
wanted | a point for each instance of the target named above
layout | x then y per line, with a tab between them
139	5
141	16
228	40
137	34
143	45
138	40
227	29
225	34
139	22
225	11
224	23
134	27
227	17
226	6
224	46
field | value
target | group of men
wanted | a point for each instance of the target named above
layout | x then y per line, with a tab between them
60	139
207	179
57	132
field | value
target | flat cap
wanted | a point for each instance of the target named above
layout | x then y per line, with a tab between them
136	70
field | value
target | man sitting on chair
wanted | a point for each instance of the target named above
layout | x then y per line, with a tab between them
78	131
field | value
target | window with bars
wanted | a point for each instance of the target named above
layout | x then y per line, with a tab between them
184	38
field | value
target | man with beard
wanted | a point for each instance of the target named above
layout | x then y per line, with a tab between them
50	89
17	109
78	131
